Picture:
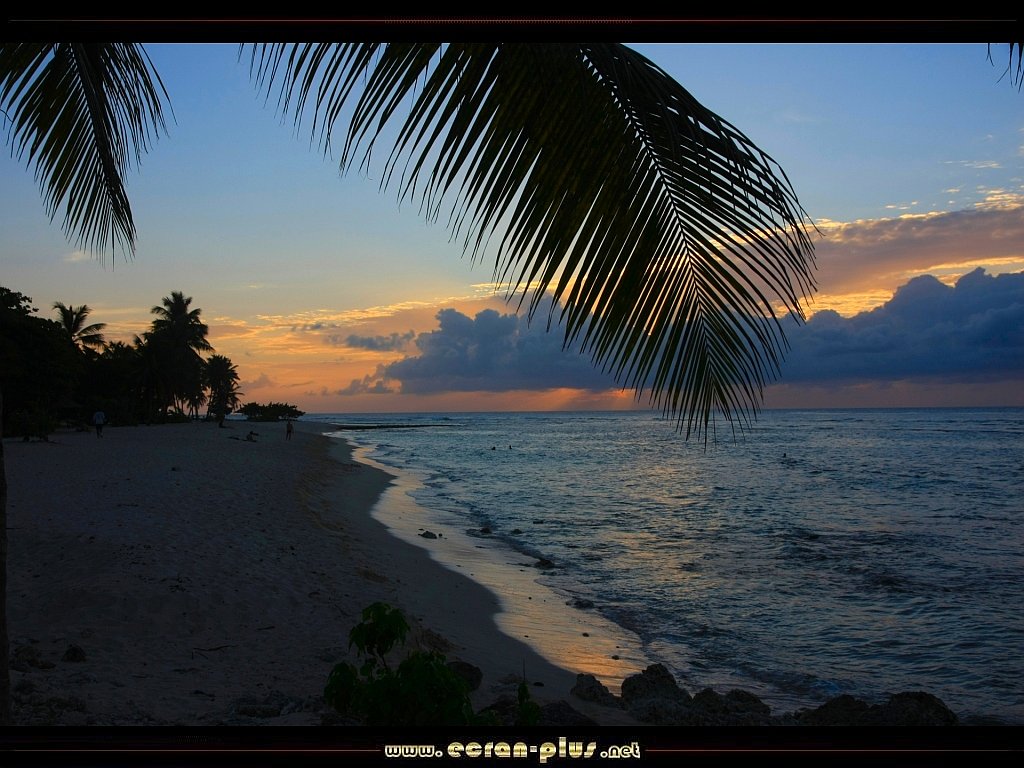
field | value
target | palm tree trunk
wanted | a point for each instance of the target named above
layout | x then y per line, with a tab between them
5	674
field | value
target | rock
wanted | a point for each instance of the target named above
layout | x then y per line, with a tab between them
516	531
428	535
544	563
746	701
504	708
561	713
274	704
907	709
734	708
472	674
589	688
655	682
74	654
258	710
914	708
582	603
486	530
26	656
658	711
842	710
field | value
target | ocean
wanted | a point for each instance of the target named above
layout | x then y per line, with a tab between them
821	552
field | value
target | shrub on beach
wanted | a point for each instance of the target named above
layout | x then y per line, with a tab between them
421	690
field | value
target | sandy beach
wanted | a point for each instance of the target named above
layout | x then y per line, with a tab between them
180	574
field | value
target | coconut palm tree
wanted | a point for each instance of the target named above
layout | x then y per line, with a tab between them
182	325
73	320
221	377
176	337
672	243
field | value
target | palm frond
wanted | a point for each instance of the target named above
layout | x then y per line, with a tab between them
81	115
669	240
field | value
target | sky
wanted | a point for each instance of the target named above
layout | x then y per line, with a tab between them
329	294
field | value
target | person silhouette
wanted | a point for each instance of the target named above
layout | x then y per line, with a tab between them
98	420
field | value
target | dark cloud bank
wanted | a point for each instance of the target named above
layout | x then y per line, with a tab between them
971	332
491	352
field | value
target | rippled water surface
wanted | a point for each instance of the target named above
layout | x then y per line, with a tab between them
824	552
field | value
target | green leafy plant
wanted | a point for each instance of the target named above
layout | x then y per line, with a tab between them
422	690
528	711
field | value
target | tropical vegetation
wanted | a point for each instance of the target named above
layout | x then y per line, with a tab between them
62	371
422	689
270	411
74	321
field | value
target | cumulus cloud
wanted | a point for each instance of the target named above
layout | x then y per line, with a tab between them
258	383
389	343
490	352
928	331
973	331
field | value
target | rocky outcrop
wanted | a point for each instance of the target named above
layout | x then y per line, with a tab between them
908	708
589	688
654	697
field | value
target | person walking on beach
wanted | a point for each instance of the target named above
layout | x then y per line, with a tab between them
98	420
288	431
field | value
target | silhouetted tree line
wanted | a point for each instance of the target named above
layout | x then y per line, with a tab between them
270	411
61	371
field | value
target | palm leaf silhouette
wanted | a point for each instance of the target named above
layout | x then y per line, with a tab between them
672	244
81	114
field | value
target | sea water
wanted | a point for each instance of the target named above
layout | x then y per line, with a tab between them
821	552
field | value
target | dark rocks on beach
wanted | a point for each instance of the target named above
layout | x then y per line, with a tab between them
911	708
562	714
655	682
428	535
654	697
26	656
544	563
842	710
589	688
74	654
486	530
516	531
582	603
916	708
261	711
470	673
506	709
660	712
734	708
274	704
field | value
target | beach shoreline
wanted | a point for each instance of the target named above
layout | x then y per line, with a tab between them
181	574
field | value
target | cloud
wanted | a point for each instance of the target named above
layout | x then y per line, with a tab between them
878	254
973	331
376	383
979	164
490	352
390	343
76	256
258	383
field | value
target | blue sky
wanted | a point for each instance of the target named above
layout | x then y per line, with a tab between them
908	157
